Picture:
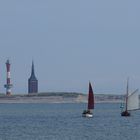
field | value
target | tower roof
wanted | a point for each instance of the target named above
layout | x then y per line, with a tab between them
8	61
33	77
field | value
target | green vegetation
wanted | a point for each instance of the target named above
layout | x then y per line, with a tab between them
63	94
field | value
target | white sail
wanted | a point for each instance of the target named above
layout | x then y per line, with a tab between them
133	101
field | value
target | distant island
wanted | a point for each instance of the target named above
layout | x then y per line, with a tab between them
59	97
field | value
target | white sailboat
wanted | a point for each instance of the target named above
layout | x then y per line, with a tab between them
131	102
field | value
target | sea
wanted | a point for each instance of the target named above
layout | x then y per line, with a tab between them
64	121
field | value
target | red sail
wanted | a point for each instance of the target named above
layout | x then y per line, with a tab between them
90	98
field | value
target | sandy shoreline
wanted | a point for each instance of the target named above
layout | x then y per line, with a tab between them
53	99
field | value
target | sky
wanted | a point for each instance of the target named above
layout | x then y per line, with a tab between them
71	43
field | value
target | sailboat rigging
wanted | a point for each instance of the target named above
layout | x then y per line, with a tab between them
89	111
131	101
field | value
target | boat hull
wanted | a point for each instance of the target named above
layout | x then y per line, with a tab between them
125	114
87	115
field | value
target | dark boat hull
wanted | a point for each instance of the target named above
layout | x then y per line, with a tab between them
125	114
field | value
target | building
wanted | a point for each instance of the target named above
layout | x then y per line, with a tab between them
32	81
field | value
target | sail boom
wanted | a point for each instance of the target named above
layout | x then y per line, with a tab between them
133	92
134	109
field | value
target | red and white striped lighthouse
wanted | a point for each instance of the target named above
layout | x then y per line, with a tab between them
8	84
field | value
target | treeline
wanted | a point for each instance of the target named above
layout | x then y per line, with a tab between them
63	94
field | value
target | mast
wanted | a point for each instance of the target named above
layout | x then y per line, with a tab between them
127	93
90	97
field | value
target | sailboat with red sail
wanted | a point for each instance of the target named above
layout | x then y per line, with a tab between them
89	111
131	102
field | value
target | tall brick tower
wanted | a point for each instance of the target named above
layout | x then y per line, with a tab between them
32	81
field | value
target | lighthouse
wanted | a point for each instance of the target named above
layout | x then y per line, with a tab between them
8	84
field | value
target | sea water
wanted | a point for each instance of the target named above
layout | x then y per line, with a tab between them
65	122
